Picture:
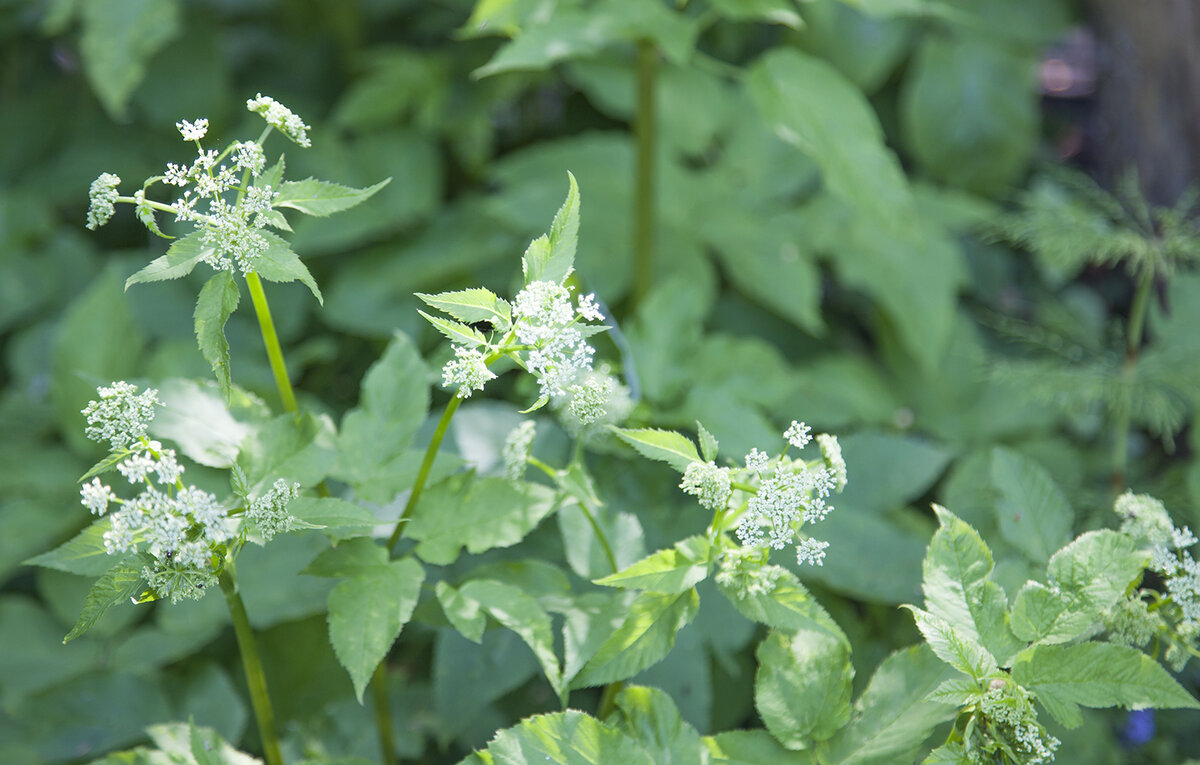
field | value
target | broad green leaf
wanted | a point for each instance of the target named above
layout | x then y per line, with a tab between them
293	447
393	402
788	607
866	50
773	11
466	614
278	263
708	443
119	39
672	570
588	549
645	637
551	257
650	717
893	716
118	584
663	445
1040	614
1032	511
322	198
218	300
469	679
456	332
204	424
83	553
1096	675
472	305
954	648
361	555
950	753
957	587
753	747
565	738
367	612
802	687
483	515
181	257
331	512
522	614
590	619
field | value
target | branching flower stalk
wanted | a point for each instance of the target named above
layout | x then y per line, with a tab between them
175	539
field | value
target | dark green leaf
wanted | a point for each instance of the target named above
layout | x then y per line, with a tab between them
1032	511
182	256
118	584
645	637
217	302
279	264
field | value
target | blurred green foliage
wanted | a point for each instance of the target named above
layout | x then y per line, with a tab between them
826	174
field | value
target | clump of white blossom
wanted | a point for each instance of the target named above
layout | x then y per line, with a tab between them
745	572
598	399
1147	521
222	194
790	493
185	530
1011	717
517	447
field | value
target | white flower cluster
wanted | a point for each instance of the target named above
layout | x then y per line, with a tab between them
1010	709
1147	520
121	416
517	448
544	318
281	118
102	197
231	231
744	571
182	528
468	370
790	493
598	399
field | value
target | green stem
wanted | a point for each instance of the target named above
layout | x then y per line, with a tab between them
643	195
271	341
260	700
423	474
608	553
608	699
1122	416
383	714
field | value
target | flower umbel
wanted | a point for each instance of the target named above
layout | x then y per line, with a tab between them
281	118
121	415
102	197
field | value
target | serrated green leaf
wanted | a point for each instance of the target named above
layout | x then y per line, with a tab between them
956	584
466	614
645	637
82	554
895	714
663	445
472	305
367	612
1097	675
482	515
954	648
708	443
788	607
278	263
522	614
550	257
1032	510
118	584
803	685
322	198
672	570
564	738
753	747
217	301
105	465
331	512
360	555
650	717
181	257
456	332
119	39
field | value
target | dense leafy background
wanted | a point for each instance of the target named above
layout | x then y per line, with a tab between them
824	175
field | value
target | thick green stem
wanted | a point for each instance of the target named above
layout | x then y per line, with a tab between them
608	699
643	195
271	341
383	714
423	474
260	700
1122	414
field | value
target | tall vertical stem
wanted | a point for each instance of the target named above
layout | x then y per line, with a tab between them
271	341
643	195
260	700
1133	342
383	714
423	474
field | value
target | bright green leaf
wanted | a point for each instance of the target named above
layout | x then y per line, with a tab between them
802	687
278	263
565	738
673	570
118	584
472	305
550	257
218	300
650	717
466	614
522	614
645	637
1032	510
322	198
663	445
181	257
954	648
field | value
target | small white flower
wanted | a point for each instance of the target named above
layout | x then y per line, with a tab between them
269	512
121	416
281	118
96	496
831	453
102	197
798	434
516	449
192	131
589	309
136	467
710	484
468	370
811	551
589	401
248	155
757	461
